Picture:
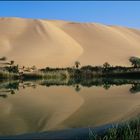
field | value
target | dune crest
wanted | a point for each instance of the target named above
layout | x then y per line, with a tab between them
60	43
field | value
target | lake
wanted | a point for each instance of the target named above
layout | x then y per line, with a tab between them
34	107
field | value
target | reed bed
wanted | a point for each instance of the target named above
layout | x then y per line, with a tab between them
129	130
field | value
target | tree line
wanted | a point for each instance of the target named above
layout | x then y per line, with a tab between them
10	66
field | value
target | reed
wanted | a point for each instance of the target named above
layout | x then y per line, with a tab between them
129	130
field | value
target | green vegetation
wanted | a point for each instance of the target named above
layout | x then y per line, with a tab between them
8	75
126	131
10	85
11	70
59	74
135	61
8	70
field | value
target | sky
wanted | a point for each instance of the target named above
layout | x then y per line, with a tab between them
121	13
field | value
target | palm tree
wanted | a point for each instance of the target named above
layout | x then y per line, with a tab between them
135	61
106	65
77	63
12	62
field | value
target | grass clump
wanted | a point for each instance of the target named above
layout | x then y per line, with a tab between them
126	131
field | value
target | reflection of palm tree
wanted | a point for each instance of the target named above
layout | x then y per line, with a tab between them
106	86
77	88
7	91
34	86
12	92
135	88
3	95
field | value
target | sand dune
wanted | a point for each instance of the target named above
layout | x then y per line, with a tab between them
60	43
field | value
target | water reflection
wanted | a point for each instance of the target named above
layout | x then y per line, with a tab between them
77	88
135	88
43	105
11	87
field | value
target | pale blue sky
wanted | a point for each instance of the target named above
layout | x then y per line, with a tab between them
125	13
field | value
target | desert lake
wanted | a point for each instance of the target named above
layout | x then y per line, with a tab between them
32	107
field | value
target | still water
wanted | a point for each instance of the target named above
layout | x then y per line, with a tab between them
30	107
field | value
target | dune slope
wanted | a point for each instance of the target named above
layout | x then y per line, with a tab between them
60	43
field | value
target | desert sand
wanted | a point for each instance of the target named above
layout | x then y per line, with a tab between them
59	43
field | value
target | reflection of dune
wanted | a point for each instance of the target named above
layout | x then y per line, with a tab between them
104	106
38	110
60	43
54	108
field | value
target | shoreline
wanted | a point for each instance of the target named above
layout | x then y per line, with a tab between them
68	134
114	131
